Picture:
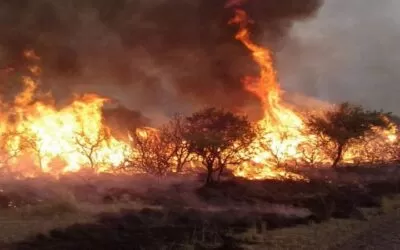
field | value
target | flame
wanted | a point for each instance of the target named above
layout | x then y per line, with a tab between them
74	133
281	127
282	141
33	129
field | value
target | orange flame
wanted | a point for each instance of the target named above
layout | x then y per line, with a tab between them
280	126
282	130
35	129
74	133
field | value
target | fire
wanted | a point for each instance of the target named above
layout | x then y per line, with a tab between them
281	127
282	139
34	132
35	129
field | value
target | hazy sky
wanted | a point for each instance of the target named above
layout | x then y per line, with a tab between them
348	52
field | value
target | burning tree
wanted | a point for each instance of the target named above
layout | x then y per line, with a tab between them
150	152
314	151
172	135
9	150
160	151
30	142
219	138
344	125
89	146
275	146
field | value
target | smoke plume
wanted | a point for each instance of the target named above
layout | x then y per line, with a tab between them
155	55
347	53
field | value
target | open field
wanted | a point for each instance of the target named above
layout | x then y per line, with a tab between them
327	235
122	212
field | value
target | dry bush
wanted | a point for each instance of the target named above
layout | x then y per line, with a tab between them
8	151
276	144
150	153
315	151
373	149
172	136
159	152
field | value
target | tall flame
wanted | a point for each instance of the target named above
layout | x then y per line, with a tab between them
32	127
282	129
280	126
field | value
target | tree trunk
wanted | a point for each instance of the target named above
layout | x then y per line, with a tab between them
221	169
179	166
40	162
209	174
338	156
91	163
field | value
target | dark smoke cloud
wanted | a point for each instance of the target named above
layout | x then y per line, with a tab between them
154	55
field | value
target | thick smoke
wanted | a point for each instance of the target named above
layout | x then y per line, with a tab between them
347	53
154	55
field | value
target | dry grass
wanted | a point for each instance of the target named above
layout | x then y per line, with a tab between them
314	236
327	235
391	204
20	223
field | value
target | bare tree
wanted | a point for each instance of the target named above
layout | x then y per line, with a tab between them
31	142
315	149
150	153
88	146
10	149
276	145
171	136
345	124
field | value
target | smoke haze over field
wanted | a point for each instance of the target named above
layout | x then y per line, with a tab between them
347	53
152	55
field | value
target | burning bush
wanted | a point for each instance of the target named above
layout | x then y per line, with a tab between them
35	131
150	153
345	125
159	152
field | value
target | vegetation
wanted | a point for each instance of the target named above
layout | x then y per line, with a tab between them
151	153
345	124
89	147
254	214
172	134
217	137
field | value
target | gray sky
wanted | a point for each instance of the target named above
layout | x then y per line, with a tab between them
348	52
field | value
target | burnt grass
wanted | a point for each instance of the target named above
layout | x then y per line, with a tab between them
207	217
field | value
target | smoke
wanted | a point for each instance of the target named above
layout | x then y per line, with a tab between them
347	53
157	56
83	189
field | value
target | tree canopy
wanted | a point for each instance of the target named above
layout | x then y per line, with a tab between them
345	123
217	137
